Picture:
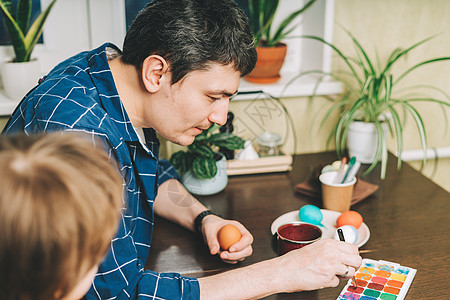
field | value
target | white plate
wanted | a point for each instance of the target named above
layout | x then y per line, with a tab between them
328	222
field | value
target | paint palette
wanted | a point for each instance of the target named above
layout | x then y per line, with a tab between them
379	280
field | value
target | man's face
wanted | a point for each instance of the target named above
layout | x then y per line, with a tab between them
183	110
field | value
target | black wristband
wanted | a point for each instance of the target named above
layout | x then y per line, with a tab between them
198	220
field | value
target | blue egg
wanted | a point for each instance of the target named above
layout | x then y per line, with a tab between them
310	214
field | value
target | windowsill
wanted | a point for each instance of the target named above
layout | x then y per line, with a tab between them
7	105
302	87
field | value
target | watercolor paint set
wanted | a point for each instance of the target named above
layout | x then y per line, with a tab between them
379	279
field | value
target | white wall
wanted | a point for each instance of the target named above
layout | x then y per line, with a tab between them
74	26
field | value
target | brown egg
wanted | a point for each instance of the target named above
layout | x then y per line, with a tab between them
349	218
228	235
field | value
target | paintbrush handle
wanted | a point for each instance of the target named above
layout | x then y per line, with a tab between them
340	172
350	166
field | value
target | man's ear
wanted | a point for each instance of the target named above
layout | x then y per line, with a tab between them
153	68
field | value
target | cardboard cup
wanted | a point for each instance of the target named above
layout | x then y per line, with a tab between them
336	196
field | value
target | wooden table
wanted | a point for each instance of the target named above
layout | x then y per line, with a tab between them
408	218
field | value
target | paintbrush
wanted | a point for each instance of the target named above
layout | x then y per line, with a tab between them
366	251
340	172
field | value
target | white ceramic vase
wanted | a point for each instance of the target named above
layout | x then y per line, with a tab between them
362	141
205	187
19	77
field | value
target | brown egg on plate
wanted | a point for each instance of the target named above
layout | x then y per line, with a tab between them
350	217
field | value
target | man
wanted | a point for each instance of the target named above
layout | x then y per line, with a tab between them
182	60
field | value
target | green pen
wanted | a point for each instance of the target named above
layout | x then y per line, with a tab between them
350	165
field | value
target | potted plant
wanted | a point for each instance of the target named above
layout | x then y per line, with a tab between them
268	39
24	37
201	166
376	101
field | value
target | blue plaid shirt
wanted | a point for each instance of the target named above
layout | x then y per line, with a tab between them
79	95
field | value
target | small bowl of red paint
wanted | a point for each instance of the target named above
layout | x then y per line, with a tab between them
296	235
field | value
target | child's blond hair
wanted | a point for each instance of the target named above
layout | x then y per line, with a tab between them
60	201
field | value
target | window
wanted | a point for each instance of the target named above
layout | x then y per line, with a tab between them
132	7
303	54
36	10
75	26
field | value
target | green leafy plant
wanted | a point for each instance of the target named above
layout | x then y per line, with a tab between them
262	13
17	21
201	156
373	95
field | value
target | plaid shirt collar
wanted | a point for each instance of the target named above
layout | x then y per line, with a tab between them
102	77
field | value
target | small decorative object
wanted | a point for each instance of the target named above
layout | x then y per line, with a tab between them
202	162
23	39
248	153
378	99
271	51
269	144
228	128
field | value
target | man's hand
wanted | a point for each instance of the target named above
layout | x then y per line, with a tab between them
238	251
318	265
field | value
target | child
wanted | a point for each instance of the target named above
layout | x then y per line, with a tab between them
60	200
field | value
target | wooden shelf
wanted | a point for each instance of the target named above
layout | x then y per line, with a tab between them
267	164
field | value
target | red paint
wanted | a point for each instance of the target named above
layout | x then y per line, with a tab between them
391	290
296	235
355	289
360	282
395	283
379	280
375	286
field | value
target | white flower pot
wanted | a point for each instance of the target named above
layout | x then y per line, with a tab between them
362	141
205	187
19	77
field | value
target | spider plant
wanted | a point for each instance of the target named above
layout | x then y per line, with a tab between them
17	21
262	13
377	98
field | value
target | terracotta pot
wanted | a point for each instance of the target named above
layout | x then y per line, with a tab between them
269	63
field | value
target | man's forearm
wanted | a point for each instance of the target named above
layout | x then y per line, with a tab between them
251	282
176	204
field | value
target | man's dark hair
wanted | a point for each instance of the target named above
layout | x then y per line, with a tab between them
190	35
